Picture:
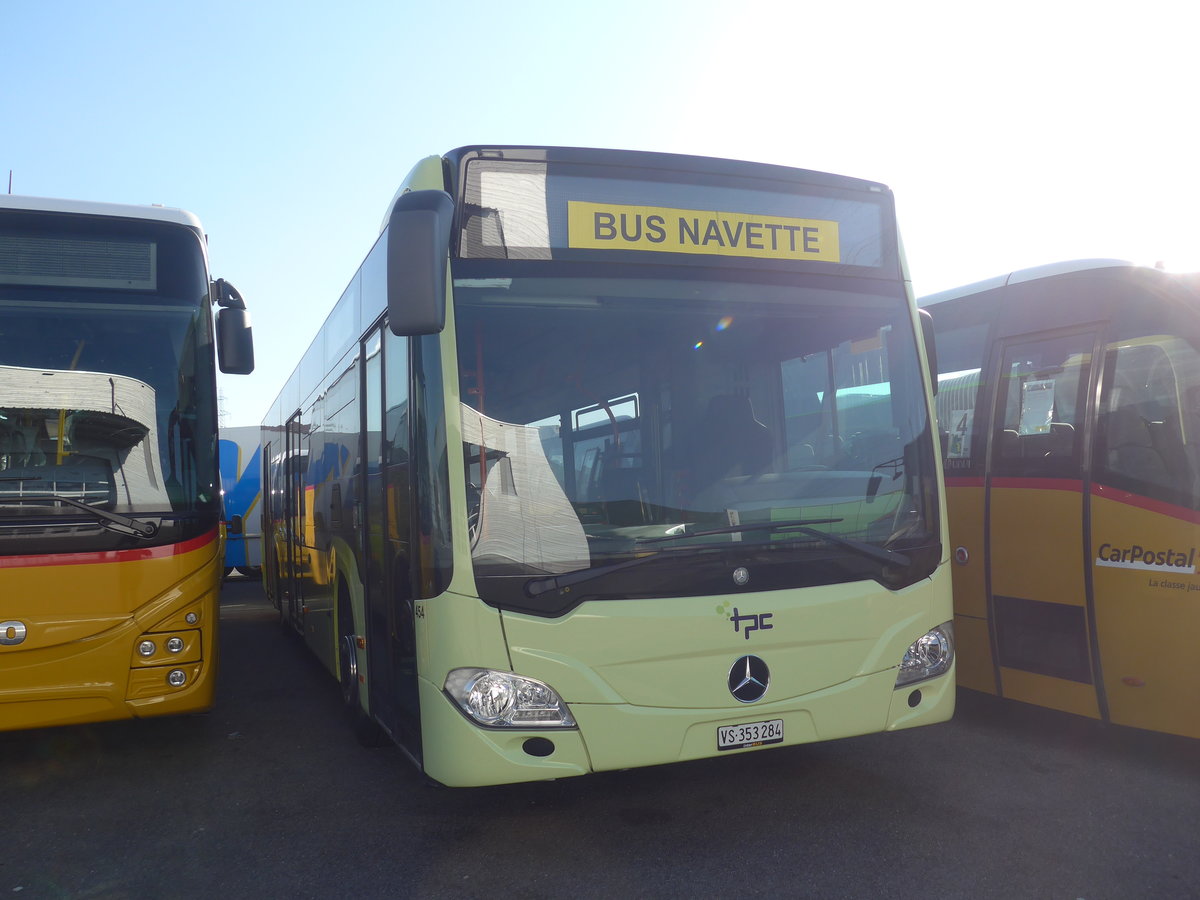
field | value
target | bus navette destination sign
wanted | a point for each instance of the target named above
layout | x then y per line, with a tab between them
605	226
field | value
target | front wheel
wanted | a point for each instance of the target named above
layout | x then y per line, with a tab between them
366	730
348	670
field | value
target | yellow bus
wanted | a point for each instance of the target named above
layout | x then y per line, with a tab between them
1069	406
110	551
608	459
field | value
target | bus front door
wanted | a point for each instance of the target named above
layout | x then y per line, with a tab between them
390	623
1037	571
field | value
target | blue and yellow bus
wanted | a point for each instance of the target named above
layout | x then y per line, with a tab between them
241	498
608	459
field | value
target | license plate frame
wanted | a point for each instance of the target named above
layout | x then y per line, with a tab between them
749	734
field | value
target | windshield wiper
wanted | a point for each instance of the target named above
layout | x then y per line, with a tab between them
734	529
538	586
879	554
104	518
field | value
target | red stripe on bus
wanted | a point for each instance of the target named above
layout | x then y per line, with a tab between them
107	556
1159	507
1040	484
964	482
1103	491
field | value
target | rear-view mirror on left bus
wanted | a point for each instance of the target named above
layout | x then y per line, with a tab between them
235	344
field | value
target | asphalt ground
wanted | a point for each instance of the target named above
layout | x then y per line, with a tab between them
269	795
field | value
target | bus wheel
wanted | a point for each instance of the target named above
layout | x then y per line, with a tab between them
348	670
368	733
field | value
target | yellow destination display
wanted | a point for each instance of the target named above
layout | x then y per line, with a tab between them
604	226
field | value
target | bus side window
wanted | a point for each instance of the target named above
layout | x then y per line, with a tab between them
1042	382
961	353
1140	439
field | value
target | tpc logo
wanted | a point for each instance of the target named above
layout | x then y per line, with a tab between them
750	622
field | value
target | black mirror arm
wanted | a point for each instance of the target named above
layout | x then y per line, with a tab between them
226	295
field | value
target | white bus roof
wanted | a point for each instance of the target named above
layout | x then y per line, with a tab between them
91	208
1022	275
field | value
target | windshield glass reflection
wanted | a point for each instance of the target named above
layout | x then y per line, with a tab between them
596	426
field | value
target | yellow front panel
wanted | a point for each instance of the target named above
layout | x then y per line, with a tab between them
1147	600
79	659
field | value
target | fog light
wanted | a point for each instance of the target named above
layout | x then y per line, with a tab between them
507	700
177	678
175	645
191	618
146	648
929	656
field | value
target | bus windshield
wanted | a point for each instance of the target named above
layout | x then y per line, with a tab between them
605	421
107	398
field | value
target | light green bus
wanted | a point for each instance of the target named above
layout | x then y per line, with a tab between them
608	459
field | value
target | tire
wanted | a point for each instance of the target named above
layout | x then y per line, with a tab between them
366	730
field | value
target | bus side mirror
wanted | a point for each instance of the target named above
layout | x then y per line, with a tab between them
930	347
235	343
417	249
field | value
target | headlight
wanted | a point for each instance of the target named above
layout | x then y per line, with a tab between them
507	700
929	656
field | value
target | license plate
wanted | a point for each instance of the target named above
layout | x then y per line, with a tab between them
751	734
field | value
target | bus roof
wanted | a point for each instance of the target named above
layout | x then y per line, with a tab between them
93	208
1021	275
653	159
641	159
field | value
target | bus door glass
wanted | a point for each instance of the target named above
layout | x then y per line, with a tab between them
389	602
1037	590
1145	522
293	516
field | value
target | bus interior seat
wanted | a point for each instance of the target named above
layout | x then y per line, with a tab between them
621	489
1130	449
803	429
1062	439
733	442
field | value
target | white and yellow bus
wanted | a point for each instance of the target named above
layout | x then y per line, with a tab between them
609	459
1069	406
110	556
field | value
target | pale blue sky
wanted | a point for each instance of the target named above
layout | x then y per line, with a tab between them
1030	133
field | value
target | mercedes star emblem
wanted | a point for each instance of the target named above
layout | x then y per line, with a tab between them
748	679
